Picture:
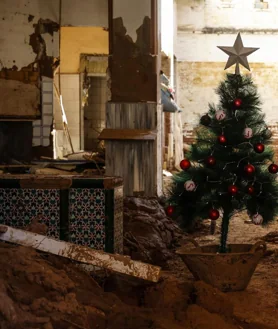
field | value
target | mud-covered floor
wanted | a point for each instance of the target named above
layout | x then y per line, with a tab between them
40	291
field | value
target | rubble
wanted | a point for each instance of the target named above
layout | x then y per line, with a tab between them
149	235
205	293
88	256
42	291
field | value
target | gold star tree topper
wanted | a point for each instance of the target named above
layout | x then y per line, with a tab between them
238	54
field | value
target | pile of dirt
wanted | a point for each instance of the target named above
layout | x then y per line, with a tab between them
149	235
41	291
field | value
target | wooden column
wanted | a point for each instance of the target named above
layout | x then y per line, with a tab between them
133	137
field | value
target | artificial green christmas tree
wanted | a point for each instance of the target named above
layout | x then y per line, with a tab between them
230	167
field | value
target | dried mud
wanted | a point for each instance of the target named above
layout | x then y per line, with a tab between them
41	291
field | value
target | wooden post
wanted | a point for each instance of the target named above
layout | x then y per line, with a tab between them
134	65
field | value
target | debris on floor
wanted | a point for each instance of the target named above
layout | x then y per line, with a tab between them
114	262
39	290
167	173
150	236
271	237
77	163
42	291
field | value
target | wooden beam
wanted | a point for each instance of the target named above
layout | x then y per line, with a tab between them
127	134
114	262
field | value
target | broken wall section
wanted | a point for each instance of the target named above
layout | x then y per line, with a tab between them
29	51
133	60
29	46
82	49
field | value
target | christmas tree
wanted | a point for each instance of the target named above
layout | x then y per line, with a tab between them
229	167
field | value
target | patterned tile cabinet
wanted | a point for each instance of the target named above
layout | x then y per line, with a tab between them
84	210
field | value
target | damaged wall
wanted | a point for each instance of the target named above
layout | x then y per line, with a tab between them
204	25
133	54
28	45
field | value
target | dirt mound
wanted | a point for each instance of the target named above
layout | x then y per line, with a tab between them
149	235
47	292
40	291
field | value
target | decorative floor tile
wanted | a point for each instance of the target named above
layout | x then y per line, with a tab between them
18	207
87	217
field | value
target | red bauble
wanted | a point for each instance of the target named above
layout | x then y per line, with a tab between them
259	148
233	189
250	189
213	214
222	139
273	168
237	102
170	210
185	164
249	169
210	161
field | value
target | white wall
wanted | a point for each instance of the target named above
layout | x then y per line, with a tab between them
204	25
16	25
241	14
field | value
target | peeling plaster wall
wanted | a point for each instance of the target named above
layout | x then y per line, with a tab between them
204	25
28	45
17	18
226	14
81	40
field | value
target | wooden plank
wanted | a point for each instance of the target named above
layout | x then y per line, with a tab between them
127	134
118	263
46	183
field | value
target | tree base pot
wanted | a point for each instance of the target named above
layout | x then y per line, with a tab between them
230	271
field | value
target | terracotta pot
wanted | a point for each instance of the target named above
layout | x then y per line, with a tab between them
228	272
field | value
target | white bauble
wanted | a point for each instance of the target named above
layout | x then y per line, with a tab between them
220	115
190	186
257	219
248	133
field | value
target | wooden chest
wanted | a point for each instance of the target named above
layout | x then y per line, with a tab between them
84	210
